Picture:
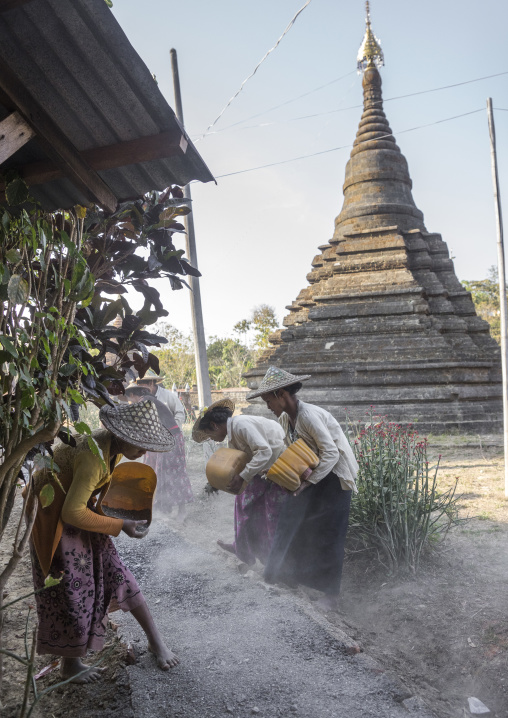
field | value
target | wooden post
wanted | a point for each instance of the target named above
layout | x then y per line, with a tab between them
203	377
502	285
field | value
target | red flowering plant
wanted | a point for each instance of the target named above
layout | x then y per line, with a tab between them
399	510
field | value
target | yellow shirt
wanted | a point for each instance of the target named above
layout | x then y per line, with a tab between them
81	475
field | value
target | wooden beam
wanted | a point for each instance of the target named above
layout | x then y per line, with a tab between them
54	143
14	133
11	4
131	152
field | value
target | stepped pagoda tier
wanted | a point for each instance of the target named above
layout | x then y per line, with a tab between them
385	320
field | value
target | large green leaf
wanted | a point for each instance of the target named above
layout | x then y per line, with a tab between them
8	345
108	313
16	191
82	428
67	369
96	450
12	255
17	289
47	495
148	317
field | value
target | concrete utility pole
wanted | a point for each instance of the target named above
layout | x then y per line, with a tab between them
502	285
203	377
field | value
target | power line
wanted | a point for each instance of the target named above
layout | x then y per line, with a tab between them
355	107
288	28
342	147
288	102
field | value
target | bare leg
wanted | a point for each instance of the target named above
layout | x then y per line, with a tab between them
181	515
74	667
166	659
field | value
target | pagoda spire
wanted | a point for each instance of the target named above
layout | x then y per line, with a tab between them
377	187
370	53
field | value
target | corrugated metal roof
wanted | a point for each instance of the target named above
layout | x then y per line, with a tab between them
76	61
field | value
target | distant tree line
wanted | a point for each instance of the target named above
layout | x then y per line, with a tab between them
485	295
228	357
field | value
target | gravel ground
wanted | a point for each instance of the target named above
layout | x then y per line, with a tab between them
245	649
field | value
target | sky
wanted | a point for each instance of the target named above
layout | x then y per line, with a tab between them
257	232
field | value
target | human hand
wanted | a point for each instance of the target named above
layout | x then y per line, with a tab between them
235	485
304	485
135	529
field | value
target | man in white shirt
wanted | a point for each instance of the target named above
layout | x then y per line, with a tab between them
257	506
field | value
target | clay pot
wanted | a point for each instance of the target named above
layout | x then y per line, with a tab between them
223	465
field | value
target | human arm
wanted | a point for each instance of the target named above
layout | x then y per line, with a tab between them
258	446
87	476
315	427
175	406
235	485
179	412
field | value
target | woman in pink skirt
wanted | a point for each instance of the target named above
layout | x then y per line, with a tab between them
258	507
71	540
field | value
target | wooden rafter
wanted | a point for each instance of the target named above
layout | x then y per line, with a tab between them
143	149
14	133
54	143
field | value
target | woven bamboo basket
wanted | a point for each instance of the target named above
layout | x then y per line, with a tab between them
294	465
223	465
130	492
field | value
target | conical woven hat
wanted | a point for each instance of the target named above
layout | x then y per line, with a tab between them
197	434
139	425
149	377
276	378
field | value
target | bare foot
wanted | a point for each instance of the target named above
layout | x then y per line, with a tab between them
181	516
227	546
82	673
166	659
328	603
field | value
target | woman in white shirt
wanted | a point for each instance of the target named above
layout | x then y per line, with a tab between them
308	547
174	489
258	507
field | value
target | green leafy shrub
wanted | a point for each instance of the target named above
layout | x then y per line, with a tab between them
398	510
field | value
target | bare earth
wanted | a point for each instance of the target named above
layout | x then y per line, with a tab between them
444	632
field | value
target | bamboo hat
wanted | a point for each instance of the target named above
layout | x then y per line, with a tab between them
139	425
150	377
198	434
133	385
276	378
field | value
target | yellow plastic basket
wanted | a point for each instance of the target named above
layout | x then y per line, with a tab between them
289	468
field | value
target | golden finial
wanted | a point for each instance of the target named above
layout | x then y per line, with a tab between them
370	53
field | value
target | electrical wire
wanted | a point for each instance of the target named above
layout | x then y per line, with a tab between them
356	107
233	97
287	102
342	147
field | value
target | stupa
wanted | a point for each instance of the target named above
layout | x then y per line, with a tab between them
385	321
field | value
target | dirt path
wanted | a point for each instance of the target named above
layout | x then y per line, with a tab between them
245	649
